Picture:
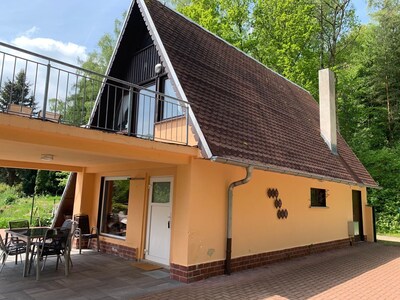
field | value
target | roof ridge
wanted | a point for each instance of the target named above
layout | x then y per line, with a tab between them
229	44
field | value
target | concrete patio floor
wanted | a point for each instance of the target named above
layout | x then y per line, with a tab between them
94	275
364	271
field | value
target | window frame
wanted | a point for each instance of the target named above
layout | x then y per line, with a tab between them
102	205
315	195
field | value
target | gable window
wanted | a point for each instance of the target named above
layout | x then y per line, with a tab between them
170	107
318	197
114	206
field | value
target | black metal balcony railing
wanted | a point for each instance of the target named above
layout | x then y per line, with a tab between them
41	87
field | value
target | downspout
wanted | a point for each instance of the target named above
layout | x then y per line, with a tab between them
249	172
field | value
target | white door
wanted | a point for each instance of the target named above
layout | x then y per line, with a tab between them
159	220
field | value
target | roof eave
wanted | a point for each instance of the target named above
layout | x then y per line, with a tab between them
282	170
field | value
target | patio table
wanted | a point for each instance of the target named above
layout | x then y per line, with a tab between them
28	235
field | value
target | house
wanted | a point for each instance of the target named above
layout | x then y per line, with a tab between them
198	157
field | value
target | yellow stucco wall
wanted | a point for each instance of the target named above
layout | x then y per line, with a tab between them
137	207
199	210
256	228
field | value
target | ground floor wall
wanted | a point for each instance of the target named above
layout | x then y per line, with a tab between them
260	233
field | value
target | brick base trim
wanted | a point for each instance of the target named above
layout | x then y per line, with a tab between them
118	250
109	248
188	274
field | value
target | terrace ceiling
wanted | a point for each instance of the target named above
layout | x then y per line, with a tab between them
24	140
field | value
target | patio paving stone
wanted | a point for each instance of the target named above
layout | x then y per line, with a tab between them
365	271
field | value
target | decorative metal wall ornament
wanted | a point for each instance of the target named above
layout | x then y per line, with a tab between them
274	194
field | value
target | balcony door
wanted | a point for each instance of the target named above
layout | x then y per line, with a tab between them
145	112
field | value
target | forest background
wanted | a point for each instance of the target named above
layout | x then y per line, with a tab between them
295	38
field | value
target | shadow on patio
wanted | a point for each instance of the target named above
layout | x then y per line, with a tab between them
93	276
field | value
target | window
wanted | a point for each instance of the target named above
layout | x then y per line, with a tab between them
318	197
114	213
170	106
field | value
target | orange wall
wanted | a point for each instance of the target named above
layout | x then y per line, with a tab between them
137	207
199	209
256	228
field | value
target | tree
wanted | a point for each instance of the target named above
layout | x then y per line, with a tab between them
16	92
336	20
285	39
229	19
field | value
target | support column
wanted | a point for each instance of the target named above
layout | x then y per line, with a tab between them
84	196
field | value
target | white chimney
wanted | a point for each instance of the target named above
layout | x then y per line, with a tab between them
327	108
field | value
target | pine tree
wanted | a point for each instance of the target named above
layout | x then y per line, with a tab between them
17	92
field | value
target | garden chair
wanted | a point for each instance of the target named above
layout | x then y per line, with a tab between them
56	242
17	224
85	232
10	249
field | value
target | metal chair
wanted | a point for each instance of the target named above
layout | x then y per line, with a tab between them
54	243
10	249
85	232
17	224
57	241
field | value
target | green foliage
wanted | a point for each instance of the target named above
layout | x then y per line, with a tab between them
14	205
62	179
120	191
229	19
117	207
47	183
286	35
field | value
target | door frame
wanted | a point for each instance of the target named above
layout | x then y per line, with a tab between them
153	179
357	204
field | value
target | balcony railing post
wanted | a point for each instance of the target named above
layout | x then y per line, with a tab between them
130	110
46	91
187	123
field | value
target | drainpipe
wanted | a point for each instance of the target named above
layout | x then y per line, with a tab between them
249	172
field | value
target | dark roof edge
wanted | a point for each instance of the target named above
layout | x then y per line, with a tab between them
288	171
237	49
203	145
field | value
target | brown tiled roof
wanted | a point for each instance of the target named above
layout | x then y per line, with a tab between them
246	111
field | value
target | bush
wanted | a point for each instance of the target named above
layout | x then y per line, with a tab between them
9	194
117	207
9	199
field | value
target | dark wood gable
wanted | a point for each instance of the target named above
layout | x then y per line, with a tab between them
134	61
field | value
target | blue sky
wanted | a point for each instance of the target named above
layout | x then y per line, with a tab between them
64	29
69	29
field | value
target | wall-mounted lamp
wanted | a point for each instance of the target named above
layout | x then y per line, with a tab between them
47	157
158	69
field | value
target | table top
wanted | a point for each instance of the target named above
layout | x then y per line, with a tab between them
34	232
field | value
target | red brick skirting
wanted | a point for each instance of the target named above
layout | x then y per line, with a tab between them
193	273
109	248
118	250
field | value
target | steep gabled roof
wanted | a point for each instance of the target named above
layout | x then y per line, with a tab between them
246	112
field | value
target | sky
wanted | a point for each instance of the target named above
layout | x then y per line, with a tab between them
64	30
69	29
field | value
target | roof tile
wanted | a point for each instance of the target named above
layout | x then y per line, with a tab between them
246	111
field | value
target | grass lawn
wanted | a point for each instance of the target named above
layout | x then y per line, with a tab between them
389	234
16	207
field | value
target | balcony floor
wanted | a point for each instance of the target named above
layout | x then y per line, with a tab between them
93	276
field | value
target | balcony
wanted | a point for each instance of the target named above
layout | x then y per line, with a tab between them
39	87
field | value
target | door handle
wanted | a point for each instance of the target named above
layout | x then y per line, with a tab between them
169	224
